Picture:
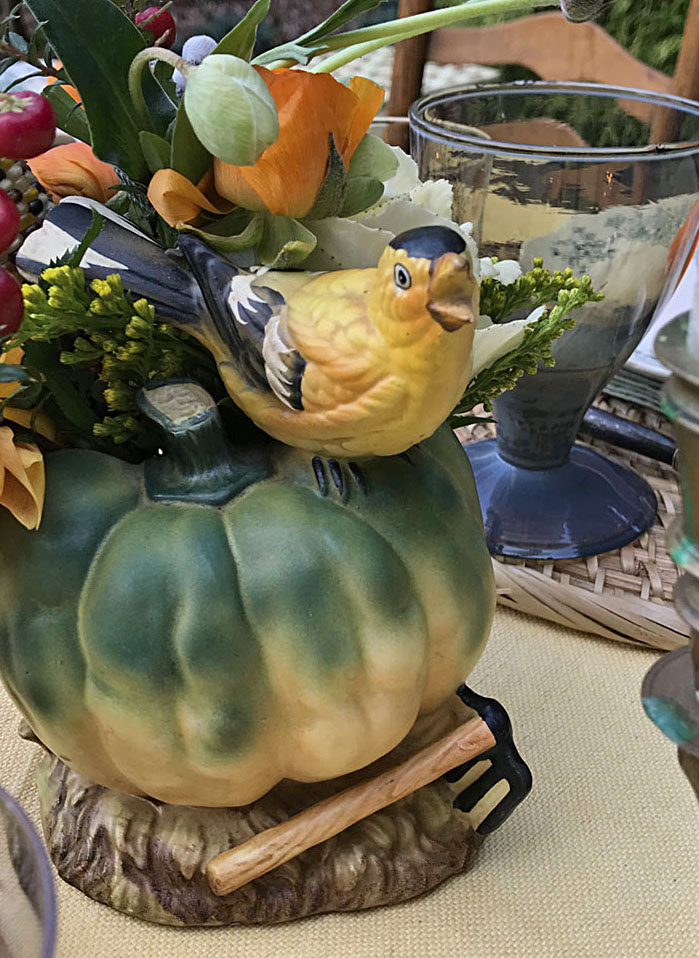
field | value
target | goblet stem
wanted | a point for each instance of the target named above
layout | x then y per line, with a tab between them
538	422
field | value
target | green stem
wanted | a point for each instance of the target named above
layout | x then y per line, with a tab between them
403	29
135	82
353	53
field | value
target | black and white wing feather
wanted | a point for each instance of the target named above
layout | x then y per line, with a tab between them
249	320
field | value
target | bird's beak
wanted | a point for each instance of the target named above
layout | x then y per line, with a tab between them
453	292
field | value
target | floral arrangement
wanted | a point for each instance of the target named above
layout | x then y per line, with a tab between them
265	156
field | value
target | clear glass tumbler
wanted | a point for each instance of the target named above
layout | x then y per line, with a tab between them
27	898
602	179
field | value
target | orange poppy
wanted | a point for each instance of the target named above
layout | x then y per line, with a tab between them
74	170
288	176
179	201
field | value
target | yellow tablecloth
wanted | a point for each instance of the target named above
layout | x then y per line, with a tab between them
602	859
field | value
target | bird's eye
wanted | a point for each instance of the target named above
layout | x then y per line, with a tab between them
401	277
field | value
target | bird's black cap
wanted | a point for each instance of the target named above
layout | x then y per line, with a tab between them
429	242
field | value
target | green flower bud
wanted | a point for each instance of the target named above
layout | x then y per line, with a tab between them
231	110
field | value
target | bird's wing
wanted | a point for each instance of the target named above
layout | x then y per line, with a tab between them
328	325
244	310
301	337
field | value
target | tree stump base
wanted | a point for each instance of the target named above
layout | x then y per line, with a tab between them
148	859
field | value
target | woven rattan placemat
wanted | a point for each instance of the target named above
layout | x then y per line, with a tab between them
624	595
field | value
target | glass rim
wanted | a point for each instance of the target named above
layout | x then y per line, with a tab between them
48	892
652	151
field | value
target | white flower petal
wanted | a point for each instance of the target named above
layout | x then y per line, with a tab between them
494	341
507	271
405	178
435	195
345	244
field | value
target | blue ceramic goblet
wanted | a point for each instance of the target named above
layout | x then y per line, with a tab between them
27	899
604	180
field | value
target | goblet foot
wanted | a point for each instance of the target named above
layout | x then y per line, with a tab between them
587	506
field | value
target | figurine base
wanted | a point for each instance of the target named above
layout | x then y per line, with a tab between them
147	858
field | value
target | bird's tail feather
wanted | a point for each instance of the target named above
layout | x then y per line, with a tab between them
146	269
213	274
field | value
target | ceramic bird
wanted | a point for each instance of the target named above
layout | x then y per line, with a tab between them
352	363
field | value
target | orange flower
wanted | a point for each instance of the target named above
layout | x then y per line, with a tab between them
70	90
179	201
22	479
74	170
288	176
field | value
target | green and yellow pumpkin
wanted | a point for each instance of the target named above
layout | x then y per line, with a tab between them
201	626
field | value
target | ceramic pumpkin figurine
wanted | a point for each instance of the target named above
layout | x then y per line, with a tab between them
208	624
242	627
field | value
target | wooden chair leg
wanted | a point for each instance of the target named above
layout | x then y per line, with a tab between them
408	68
686	79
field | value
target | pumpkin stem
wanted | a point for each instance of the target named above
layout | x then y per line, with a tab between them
198	462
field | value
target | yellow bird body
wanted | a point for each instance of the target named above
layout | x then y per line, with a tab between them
355	364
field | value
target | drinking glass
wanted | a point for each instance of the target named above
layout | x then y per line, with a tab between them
602	179
27	900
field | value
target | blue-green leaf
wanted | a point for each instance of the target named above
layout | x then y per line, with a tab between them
14	374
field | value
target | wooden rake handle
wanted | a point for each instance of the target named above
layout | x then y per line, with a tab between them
273	847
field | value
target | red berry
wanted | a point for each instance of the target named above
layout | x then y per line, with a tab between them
11	304
9	221
27	125
158	26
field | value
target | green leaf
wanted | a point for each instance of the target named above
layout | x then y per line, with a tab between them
93	231
97	42
348	11
285	242
332	193
44	358
288	51
188	156
362	192
300	48
70	116
14	374
373	158
241	40
156	150
226	234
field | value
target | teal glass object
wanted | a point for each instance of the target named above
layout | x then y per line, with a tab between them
573	173
27	897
